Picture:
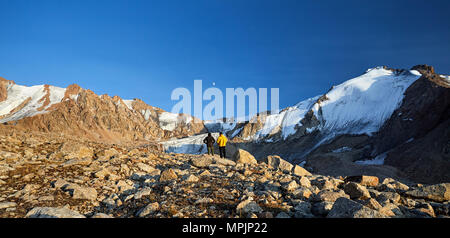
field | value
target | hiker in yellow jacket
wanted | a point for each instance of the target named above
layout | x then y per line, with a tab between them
222	142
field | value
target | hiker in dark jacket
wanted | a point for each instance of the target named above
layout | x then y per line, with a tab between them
209	141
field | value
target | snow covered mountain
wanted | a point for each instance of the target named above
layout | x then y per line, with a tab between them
357	106
367	123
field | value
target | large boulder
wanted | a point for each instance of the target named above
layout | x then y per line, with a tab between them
356	191
226	162
276	162
346	208
244	157
437	192
52	212
300	171
370	181
79	192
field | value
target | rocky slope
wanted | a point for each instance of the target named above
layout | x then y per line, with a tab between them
49	176
80	112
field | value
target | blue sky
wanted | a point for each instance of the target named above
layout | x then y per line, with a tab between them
145	49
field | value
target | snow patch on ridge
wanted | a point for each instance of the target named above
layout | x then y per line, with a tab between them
129	104
18	95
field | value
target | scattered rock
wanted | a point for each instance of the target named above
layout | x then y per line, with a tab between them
300	171
356	191
370	203
290	186
248	206
168	175
146	168
346	208
143	192
283	215
302	193
101	215
190	178
52	212
322	208
202	162
4	205
304	182
370	181
204	201
83	161
330	196
437	192
226	162
149	209
276	162
79	192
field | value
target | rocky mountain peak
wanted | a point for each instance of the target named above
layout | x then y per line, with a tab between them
424	69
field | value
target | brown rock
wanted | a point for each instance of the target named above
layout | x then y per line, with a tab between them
364	180
244	157
437	192
168	175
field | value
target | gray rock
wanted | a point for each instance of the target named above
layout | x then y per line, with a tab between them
52	212
143	192
283	215
276	162
202	162
204	201
329	196
388	197
303	210
149	209
356	191
437	192
346	208
248	206
244	157
322	208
